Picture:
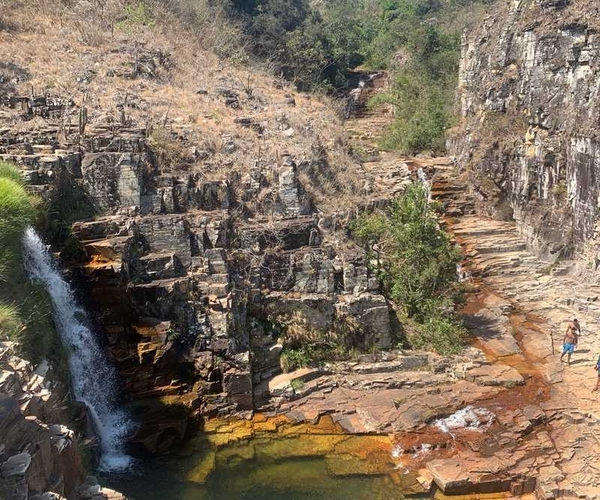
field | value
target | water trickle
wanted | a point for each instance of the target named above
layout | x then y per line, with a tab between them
425	181
94	380
462	274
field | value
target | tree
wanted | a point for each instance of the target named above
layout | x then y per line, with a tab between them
416	264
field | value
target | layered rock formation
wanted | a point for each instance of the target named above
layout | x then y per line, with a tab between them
201	207
528	99
40	458
195	280
37	453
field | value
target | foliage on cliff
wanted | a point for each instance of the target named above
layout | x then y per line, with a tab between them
17	210
25	310
421	45
418	40
416	264
317	44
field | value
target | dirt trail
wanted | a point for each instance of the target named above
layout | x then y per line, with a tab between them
517	313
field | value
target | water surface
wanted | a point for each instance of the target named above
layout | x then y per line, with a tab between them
276	463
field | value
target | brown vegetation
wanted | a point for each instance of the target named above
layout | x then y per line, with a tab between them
150	64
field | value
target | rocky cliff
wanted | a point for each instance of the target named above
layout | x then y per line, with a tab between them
40	458
202	209
528	99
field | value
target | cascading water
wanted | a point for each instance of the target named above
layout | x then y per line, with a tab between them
94	380
425	181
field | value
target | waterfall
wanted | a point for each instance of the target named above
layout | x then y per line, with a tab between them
425	181
93	378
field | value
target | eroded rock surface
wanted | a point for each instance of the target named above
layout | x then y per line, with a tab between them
535	302
528	103
37	453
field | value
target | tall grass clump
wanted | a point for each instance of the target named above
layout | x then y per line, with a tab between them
25	308
17	210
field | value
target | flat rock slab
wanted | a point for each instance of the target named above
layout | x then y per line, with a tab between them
495	375
281	383
456	476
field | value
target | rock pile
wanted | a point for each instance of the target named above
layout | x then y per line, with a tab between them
39	457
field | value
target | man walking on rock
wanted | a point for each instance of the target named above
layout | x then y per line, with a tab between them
570	340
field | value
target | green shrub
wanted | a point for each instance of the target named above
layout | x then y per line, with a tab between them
297	384
134	16
305	355
10	322
9	171
416	261
17	211
444	334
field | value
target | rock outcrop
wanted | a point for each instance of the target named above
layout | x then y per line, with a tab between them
528	100
205	229
37	453
196	280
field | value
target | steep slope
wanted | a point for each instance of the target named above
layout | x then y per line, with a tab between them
202	206
528	98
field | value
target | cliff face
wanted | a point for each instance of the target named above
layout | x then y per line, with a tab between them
39	457
206	208
528	98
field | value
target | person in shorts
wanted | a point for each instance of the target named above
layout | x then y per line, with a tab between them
597	368
570	340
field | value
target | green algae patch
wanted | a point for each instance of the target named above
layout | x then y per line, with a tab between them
204	467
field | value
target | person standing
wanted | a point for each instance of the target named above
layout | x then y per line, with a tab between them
570	340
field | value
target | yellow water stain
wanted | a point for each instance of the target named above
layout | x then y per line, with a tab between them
203	468
366	446
220	439
475	496
231	455
298	446
352	465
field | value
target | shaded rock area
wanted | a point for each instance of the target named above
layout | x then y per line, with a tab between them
40	458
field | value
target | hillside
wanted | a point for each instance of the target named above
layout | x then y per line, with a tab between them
199	202
142	68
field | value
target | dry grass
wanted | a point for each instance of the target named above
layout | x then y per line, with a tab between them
97	64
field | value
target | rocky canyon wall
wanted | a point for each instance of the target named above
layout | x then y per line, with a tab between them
194	280
529	107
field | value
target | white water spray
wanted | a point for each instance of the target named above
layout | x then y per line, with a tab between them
469	417
94	380
425	181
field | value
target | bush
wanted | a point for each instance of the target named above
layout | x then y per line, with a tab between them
298	356
17	210
136	15
416	261
9	171
444	334
10	322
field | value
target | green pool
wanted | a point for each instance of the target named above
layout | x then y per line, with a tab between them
272	460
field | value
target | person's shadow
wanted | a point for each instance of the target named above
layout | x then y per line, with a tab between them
578	361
